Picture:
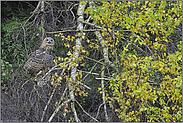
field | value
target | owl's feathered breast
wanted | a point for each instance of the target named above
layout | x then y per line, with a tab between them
38	60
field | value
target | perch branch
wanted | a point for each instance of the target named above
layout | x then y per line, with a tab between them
54	68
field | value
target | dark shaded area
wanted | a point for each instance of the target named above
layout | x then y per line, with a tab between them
22	99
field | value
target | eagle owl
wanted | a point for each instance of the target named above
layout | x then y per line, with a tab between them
41	58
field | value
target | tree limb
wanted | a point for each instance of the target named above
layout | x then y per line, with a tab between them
86	112
103	93
80	13
58	108
64	31
50	99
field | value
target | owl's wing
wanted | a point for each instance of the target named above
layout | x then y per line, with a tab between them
37	61
44	59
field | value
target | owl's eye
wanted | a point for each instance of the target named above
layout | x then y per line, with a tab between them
51	40
46	40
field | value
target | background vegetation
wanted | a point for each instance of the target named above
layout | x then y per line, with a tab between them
114	61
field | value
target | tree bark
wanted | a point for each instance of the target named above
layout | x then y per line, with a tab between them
42	20
80	13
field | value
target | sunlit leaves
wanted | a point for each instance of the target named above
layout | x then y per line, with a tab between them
143	81
145	91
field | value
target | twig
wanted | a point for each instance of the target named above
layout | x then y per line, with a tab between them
135	46
86	112
30	18
103	78
94	60
33	13
58	108
89	72
92	24
51	96
64	31
88	30
42	19
50	100
149	105
99	110
103	94
25	40
147	47
61	98
72	12
84	85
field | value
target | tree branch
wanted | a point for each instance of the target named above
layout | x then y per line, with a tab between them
64	31
106	59
25	41
50	99
84	85
58	108
99	110
42	20
80	13
103	93
86	112
92	24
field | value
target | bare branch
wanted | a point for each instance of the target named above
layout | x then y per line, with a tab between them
94	60
90	30
50	100
103	94
80	13
25	41
86	112
84	85
92	24
106	59
58	108
89	72
138	48
103	78
42	19
99	110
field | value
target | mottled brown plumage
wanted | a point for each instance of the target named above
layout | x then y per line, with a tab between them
41	58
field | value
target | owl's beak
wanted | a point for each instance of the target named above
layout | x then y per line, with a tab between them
49	42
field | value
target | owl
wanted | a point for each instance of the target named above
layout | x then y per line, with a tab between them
41	58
